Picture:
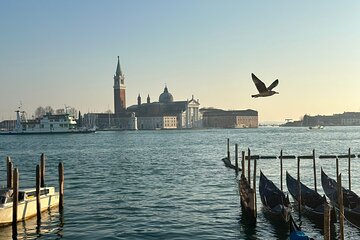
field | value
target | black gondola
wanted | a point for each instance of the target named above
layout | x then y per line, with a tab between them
350	199
228	164
312	203
295	231
274	200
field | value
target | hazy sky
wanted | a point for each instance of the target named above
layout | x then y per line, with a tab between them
65	52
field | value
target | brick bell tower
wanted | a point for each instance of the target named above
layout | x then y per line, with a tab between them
119	90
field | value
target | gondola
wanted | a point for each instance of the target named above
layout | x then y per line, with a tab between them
350	199
312	203
295	231
228	164
274	200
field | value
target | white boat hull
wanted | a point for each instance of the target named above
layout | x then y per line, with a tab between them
27	208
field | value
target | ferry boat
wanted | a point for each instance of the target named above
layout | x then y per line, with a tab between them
49	123
316	127
27	203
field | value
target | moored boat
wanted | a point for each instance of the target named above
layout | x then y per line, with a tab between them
316	127
274	200
27	203
312	203
295	231
351	200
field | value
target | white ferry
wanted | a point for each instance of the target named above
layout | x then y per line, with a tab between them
27	203
49	123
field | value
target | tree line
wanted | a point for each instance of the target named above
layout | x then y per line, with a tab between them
41	111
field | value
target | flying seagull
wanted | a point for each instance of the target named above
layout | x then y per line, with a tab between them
263	90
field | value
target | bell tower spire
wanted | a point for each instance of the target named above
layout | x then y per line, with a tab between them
119	90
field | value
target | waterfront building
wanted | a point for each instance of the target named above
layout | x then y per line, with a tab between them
217	118
340	119
164	114
167	113
121	119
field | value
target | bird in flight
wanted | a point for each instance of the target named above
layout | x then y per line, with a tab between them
263	90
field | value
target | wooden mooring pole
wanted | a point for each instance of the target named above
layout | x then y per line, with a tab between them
15	201
281	170
341	207
254	188
314	168
243	163
236	159
42	170
9	169
228	149
299	185
249	157
337	166
61	186
349	168
38	206
326	219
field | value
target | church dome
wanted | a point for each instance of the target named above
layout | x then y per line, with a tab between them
166	97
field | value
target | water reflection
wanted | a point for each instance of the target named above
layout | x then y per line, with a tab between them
51	225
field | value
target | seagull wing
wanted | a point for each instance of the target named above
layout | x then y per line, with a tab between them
259	84
274	84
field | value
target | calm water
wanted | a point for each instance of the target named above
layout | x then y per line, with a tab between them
167	184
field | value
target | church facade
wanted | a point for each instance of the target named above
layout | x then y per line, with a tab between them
163	114
167	113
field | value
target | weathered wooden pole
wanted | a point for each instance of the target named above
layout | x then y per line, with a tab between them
228	149
249	156
38	206
337	166
15	201
314	168
42	170
243	162
254	186
299	185
341	207
61	186
9	169
349	169
236	159
326	219
281	169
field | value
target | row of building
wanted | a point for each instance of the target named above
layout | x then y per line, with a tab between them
340	119
165	113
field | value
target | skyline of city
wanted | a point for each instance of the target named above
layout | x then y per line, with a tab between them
65	53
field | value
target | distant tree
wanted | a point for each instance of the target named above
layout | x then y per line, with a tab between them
79	120
39	112
49	109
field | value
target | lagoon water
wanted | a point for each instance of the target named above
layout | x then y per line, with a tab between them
168	184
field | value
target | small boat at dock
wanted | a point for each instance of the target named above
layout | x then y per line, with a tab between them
312	203
228	164
27	203
351	200
295	231
276	204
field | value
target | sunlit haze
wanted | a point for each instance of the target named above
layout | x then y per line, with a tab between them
54	53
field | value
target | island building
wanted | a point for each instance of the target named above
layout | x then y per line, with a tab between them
164	114
218	118
340	119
